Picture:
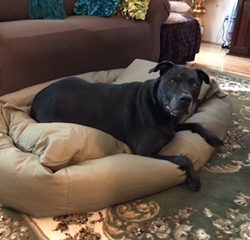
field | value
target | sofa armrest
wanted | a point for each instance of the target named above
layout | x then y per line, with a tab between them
158	12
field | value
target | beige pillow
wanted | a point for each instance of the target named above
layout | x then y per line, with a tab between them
58	144
174	18
179	7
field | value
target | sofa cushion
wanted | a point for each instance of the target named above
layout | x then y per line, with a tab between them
13	10
96	8
134	9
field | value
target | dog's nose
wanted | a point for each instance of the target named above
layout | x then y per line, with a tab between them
186	98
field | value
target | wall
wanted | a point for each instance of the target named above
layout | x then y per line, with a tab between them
217	10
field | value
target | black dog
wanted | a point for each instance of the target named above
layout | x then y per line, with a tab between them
145	115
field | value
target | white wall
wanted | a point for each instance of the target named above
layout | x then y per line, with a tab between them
217	10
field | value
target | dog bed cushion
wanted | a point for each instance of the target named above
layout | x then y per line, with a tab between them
49	169
47	139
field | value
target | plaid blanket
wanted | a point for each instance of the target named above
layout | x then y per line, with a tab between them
180	42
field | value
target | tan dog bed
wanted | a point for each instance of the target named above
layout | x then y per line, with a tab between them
49	169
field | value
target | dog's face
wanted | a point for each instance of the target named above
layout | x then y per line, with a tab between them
179	87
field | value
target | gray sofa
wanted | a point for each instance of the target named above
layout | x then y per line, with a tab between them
35	51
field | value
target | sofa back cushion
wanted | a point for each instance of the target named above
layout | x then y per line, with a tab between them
11	10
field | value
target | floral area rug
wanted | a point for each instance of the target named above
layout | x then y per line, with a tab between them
221	210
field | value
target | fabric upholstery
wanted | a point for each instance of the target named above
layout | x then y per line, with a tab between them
69	5
58	144
74	45
180	42
50	39
13	10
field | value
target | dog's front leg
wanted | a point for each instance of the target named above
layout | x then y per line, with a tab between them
184	163
150	142
197	128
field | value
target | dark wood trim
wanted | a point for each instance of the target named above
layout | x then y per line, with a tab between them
241	35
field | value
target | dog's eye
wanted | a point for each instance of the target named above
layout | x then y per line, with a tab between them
171	81
195	84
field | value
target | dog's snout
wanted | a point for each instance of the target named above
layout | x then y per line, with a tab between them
186	98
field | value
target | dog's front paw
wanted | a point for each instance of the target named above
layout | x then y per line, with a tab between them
193	178
214	141
194	183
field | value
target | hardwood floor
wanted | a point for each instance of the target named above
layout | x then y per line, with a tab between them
214	57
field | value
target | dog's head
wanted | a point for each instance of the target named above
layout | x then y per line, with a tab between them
178	87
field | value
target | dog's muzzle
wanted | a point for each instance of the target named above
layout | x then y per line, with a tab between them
180	105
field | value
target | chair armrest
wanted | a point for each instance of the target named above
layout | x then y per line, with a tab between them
158	12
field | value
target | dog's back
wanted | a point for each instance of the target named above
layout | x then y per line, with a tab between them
100	105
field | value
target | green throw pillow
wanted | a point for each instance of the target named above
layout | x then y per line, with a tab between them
134	9
46	9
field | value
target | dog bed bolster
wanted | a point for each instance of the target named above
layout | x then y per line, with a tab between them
50	169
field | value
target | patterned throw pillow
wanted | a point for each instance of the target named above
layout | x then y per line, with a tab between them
104	8
134	9
46	9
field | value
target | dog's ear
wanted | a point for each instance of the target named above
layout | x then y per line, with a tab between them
203	76
163	66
